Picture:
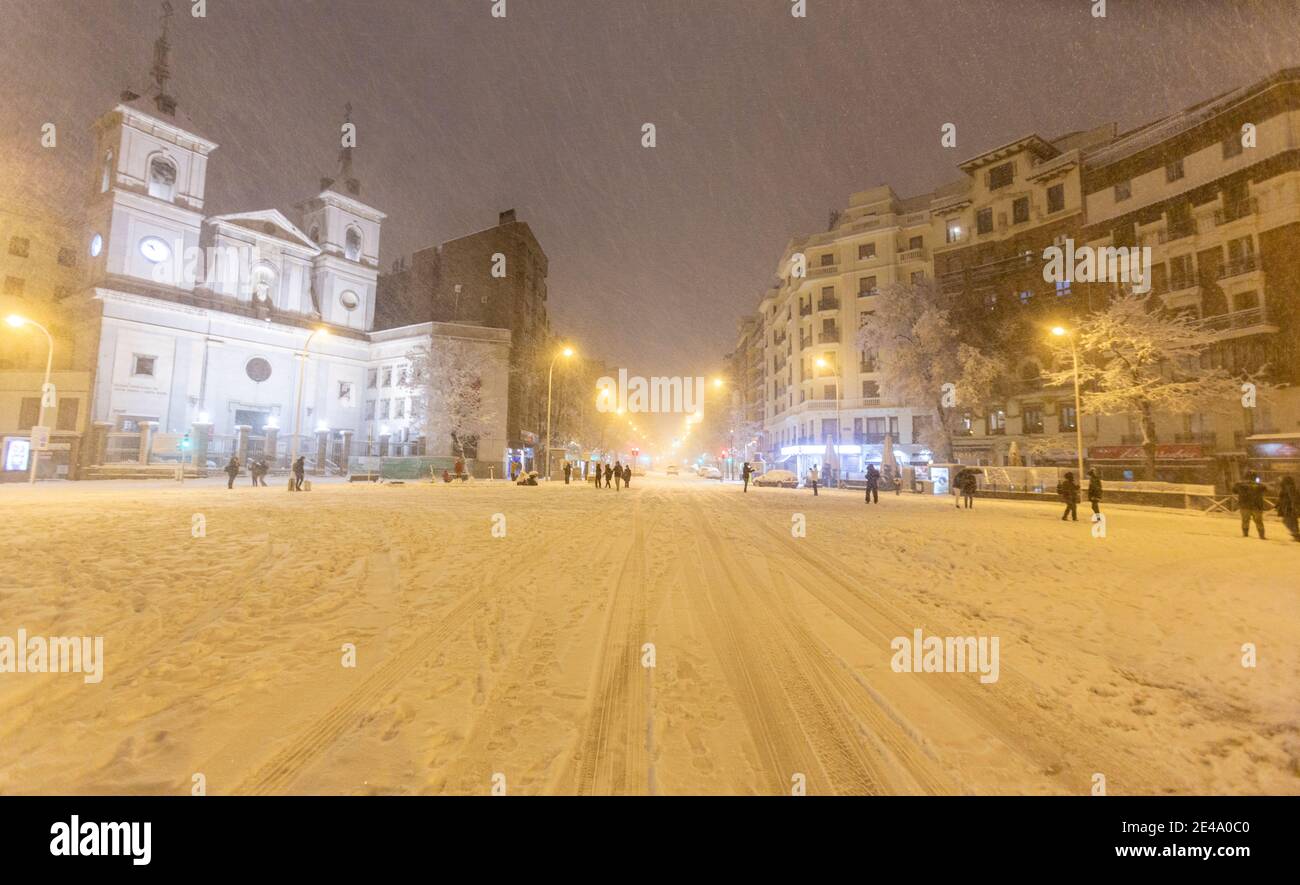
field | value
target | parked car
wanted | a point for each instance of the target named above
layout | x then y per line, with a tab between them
672	470
780	478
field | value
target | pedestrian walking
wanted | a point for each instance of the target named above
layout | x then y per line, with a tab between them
812	479
745	473
568	472
1068	490
873	484
1288	506
969	483
1094	490
618	475
299	469
609	473
627	476
1251	503
232	470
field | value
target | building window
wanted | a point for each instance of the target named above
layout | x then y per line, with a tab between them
67	257
383	410
257	369
867	286
954	231
997	422
352	245
918	277
1182	275
143	365
870	389
866	250
162	179
1123	190
984	221
388	378
827	260
1056	198
399	408
106	174
18	246
1174	171
916	243
1232	146
1033	419
1020	210
1069	418
370	410
1001	176
345	391
14	285
372	378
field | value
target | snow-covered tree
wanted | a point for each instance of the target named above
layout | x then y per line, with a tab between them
925	363
448	402
1135	359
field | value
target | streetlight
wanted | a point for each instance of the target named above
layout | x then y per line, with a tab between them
566	353
33	455
302	374
822	364
1062	332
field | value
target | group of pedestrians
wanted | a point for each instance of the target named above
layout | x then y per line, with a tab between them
618	473
1068	491
258	469
1252	503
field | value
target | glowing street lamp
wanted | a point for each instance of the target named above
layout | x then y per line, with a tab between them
32	454
1062	332
567	352
302	374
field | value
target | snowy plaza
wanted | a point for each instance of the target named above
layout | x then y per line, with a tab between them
678	637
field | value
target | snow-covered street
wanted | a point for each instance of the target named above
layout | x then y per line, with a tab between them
523	661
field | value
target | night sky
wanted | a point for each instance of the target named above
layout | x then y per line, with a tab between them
765	122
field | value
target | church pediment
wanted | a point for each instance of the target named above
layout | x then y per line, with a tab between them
268	223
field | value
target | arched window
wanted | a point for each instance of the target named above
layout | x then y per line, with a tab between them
352	245
106	176
162	179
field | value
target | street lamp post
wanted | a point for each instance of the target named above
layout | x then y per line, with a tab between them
33	455
821	363
550	374
302	375
1062	332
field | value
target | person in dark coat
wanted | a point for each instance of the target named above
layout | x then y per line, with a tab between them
873	484
568	472
627	475
595	473
1288	506
232	470
969	484
609	474
299	469
1251	503
1094	490
1068	489
618	475
745	473
812	478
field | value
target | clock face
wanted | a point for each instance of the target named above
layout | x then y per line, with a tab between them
154	249
96	245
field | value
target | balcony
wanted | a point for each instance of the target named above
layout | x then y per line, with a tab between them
805	310
1177	231
911	255
1248	264
831	337
1239	323
828	304
1200	437
1235	211
823	270
805	343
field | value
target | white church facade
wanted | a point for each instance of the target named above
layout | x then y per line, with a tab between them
203	321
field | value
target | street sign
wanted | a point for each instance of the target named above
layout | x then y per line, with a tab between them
41	439
49	399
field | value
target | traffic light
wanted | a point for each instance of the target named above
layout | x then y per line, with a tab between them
185	445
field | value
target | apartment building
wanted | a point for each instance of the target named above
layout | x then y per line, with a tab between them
820	388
